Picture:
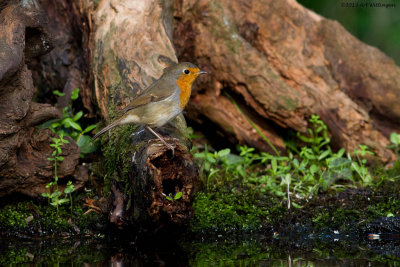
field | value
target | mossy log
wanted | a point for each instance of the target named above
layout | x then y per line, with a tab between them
24	149
282	63
155	178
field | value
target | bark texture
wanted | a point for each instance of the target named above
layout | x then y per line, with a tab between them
283	63
131	44
24	149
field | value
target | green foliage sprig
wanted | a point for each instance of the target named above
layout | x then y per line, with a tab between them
171	198
54	195
69	125
395	143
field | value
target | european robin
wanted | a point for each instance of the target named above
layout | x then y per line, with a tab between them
161	101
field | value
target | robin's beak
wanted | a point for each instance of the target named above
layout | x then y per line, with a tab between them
202	72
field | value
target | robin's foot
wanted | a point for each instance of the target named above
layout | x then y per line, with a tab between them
162	140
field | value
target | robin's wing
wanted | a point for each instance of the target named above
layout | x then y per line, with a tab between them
158	91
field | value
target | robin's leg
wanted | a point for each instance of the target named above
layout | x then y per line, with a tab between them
159	137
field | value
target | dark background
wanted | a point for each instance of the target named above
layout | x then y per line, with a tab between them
376	26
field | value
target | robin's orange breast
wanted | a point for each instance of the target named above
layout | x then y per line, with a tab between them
185	82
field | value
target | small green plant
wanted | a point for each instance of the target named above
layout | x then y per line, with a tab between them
173	198
54	195
69	189
69	125
395	143
317	141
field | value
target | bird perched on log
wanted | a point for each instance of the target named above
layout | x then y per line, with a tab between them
161	101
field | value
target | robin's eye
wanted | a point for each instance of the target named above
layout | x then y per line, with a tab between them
186	71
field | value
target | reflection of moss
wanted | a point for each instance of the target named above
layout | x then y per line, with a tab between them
54	251
219	254
255	252
14	256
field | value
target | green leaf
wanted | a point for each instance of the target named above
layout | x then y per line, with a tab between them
200	155
86	144
47	124
70	123
224	152
56	202
58	93
55	194
59	158
69	190
304	138
288	179
89	128
324	154
75	94
395	138
210	158
63	200
297	206
55	124
77	116
50	159
295	162
314	168
178	196
340	153
274	165
45	195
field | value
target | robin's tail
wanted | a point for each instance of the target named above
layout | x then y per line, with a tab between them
105	129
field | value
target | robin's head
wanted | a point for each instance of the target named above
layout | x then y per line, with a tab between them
183	74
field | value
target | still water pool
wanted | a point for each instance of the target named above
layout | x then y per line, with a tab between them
185	252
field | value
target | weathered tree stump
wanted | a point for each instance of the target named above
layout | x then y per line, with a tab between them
131	44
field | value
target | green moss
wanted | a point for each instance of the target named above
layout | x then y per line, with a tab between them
346	212
386	208
118	151
15	216
228	212
30	219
